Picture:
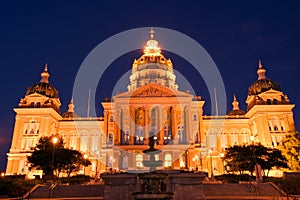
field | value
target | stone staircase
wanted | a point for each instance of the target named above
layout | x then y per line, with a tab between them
242	191
210	190
68	191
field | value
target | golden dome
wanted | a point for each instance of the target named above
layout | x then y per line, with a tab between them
235	108
43	87
70	114
263	84
152	54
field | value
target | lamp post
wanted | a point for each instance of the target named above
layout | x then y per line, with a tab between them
223	165
54	141
85	156
211	167
258	176
97	152
195	159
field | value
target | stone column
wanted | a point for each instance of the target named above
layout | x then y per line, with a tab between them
105	127
290	125
16	142
160	126
146	124
132	125
174	125
188	133
117	127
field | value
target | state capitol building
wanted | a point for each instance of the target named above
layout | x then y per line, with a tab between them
152	106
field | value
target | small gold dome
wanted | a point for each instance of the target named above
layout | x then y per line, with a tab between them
43	88
263	85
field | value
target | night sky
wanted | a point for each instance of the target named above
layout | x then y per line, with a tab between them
235	34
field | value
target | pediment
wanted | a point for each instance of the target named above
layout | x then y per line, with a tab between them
153	90
35	95
271	93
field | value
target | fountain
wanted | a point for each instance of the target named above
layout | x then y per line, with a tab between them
153	184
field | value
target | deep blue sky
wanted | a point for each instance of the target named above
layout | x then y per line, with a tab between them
235	33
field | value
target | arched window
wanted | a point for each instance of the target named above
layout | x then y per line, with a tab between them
139	135
111	118
73	141
32	127
94	141
168	160
84	141
110	138
197	138
212	138
181	135
223	139
194	117
167	134
234	137
269	101
38	104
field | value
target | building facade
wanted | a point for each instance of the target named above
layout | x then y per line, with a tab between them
154	107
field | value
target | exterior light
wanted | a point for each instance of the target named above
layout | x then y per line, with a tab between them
223	164
54	140
252	138
211	164
85	156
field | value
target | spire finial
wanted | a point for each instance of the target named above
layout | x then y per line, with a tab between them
261	71
152	32
71	106
46	67
235	103
259	64
45	75
152	48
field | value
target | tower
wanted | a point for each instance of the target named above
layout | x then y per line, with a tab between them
269	110
152	67
37	114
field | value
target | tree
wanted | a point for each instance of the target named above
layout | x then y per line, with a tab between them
244	158
290	147
238	159
54	157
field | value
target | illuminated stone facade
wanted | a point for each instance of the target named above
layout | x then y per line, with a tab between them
152	106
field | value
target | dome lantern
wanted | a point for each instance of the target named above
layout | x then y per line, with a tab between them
45	75
261	72
236	111
235	103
